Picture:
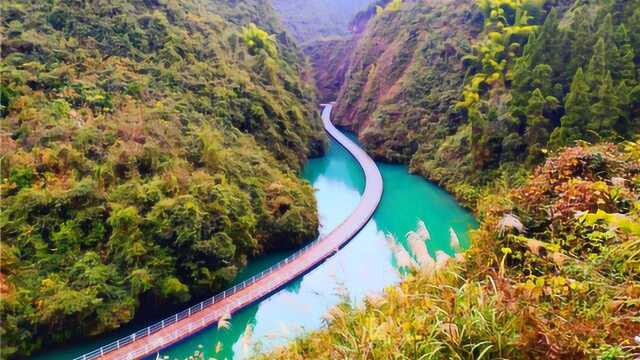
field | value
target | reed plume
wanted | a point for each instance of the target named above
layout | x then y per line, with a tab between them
420	251
454	240
246	338
442	259
423	231
403	258
417	242
224	322
510	221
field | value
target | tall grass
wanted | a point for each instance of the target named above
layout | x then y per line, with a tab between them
433	314
427	317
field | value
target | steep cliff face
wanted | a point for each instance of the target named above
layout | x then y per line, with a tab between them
331	57
328	30
406	75
330	61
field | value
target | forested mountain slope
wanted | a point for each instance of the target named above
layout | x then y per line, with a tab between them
328	31
148	150
330	58
406	73
450	86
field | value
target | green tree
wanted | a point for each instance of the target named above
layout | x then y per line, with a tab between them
172	288
258	39
578	114
543	79
606	30
625	69
606	114
126	243
522	76
547	47
633	25
597	69
609	34
537	133
581	40
537	124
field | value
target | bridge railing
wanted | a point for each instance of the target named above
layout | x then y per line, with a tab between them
115	345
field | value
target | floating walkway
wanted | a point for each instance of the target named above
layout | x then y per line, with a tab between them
161	335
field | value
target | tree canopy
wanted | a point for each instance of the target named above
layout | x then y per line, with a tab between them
148	151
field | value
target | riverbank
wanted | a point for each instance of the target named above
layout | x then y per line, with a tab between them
365	266
552	273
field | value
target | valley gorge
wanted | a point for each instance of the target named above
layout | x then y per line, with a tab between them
158	153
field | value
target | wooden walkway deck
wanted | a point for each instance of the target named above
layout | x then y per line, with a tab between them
272	281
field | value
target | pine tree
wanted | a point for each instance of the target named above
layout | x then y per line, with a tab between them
626	68
606	114
609	35
606	30
541	58
537	124
548	45
542	79
577	112
633	101
521	76
624	91
633	25
581	41
598	65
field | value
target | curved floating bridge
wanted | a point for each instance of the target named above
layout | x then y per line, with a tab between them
186	323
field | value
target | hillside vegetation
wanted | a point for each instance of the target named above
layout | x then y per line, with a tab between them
464	91
331	57
148	150
330	60
553	273
406	74
528	111
328	31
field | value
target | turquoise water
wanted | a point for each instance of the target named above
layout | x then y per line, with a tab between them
364	266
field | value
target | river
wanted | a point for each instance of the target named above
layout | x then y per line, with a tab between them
364	266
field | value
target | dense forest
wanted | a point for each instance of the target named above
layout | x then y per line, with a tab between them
148	150
465	91
528	111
